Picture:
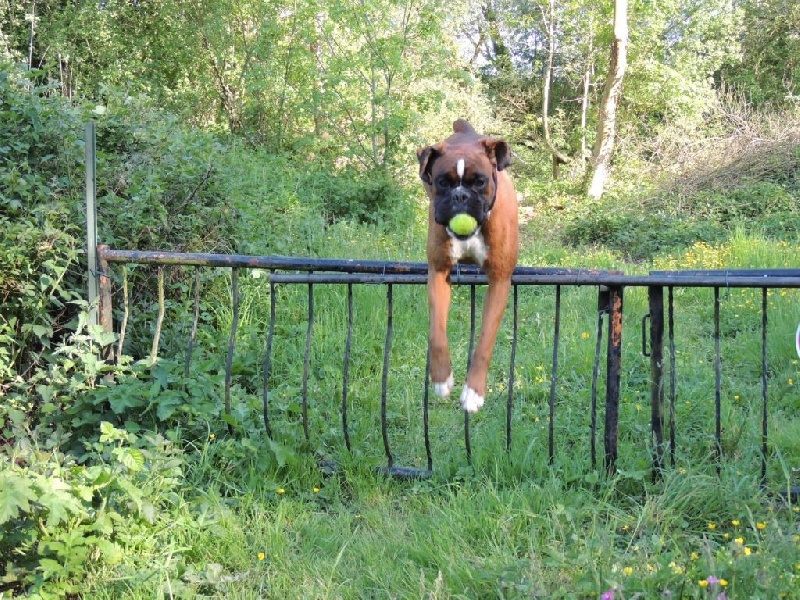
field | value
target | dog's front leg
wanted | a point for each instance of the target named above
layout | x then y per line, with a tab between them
439	308
494	305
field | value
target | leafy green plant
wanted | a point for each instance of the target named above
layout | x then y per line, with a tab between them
61	520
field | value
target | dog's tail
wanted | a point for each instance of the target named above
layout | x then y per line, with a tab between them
463	126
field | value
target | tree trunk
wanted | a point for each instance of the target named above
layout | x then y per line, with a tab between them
607	118
559	158
587	86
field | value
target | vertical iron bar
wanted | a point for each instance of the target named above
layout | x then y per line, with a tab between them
425	421
467	443
195	318
268	357
385	377
613	369
346	366
554	377
764	394
510	402
307	360
717	384
595	373
656	303
231	342
672	388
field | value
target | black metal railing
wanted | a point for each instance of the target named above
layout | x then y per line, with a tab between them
610	286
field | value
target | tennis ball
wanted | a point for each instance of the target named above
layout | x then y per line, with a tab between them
463	224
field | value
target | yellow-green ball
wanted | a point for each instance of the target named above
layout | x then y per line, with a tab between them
463	224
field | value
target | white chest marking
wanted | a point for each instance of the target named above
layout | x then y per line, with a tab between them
474	248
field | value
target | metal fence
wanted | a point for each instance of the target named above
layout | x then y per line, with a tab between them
657	325
609	286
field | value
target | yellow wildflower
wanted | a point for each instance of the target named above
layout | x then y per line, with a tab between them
261	556
761	525
712	526
281	490
735	522
627	570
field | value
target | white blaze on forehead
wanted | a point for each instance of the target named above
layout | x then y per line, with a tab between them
460	167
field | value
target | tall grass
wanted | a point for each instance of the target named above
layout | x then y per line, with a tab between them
509	525
274	524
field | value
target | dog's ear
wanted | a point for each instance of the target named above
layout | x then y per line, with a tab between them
498	152
426	158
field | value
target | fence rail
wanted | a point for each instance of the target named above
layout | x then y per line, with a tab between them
610	286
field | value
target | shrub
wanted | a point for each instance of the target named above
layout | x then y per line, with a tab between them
60	521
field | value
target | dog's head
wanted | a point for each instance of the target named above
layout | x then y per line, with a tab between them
460	174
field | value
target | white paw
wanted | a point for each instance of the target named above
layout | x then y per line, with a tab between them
443	389
471	401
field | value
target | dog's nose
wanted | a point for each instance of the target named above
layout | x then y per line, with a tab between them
459	195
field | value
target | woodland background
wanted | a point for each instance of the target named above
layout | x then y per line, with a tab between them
290	128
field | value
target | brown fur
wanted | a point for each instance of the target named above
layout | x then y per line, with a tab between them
500	232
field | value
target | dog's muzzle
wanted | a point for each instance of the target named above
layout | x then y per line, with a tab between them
460	201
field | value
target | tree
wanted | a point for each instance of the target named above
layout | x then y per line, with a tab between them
559	158
768	68
612	92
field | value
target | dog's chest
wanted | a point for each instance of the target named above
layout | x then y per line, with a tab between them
474	248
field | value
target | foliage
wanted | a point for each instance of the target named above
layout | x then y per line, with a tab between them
126	479
39	165
61	521
768	72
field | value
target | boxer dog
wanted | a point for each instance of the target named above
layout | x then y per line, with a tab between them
466	174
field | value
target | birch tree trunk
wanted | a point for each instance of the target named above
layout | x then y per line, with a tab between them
607	117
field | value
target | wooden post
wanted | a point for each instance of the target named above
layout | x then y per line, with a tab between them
105	309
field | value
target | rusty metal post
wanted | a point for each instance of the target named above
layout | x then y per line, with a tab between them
602	309
231	341
656	302
613	371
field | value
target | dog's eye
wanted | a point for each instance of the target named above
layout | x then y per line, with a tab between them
479	183
443	182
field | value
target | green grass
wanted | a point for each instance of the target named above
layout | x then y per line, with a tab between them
267	522
257	518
